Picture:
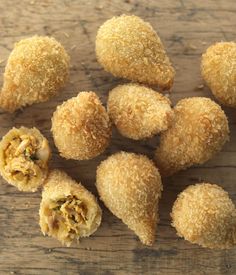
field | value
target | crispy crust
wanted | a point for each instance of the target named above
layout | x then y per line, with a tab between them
200	130
130	186
24	157
36	70
205	215
128	47
218	69
81	127
60	186
139	112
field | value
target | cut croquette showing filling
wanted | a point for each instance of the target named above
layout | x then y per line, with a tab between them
68	211
24	158
68	219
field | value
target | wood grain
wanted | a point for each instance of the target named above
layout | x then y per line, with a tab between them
187	28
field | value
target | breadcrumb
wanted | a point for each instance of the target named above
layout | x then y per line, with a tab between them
68	211
139	112
36	70
200	129
128	47
130	186
205	215
81	127
218	69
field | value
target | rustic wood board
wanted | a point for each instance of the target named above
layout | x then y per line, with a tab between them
187	28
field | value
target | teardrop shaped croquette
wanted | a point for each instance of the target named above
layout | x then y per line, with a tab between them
37	68
128	47
205	215
139	112
130	186
68	211
81	127
199	131
218	69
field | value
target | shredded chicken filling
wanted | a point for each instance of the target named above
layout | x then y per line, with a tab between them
25	157
68	217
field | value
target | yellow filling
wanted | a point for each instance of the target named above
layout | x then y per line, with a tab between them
67	218
25	157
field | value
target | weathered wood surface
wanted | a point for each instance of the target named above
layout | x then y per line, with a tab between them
187	28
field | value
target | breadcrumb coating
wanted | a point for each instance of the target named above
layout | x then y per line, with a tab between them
218	69
139	112
36	70
81	127
200	129
205	215
68	211
24	157
128	47
130	186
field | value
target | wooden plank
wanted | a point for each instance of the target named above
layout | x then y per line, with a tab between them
187	28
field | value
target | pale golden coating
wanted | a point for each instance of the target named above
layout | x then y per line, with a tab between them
24	156
81	127
218	69
139	112
130	187
205	215
68	211
36	70
200	129
128	47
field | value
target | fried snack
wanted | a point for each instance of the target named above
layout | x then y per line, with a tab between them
24	156
205	215
199	131
81	127
68	211
218	69
139	112
130	187
36	70
128	47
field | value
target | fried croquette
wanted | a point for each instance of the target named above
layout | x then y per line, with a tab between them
128	47
36	70
218	69
24	156
81	127
205	215
68	211
200	129
139	112
130	187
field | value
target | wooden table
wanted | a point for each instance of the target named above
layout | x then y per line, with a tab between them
187	28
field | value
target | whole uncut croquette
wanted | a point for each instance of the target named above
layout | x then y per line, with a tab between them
130	186
139	112
81	127
218	69
205	215
36	70
199	131
128	47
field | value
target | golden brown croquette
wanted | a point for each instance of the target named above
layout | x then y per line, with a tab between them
130	187
205	215
81	127
139	112
200	129
24	156
128	47
68	211
219	71
36	70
